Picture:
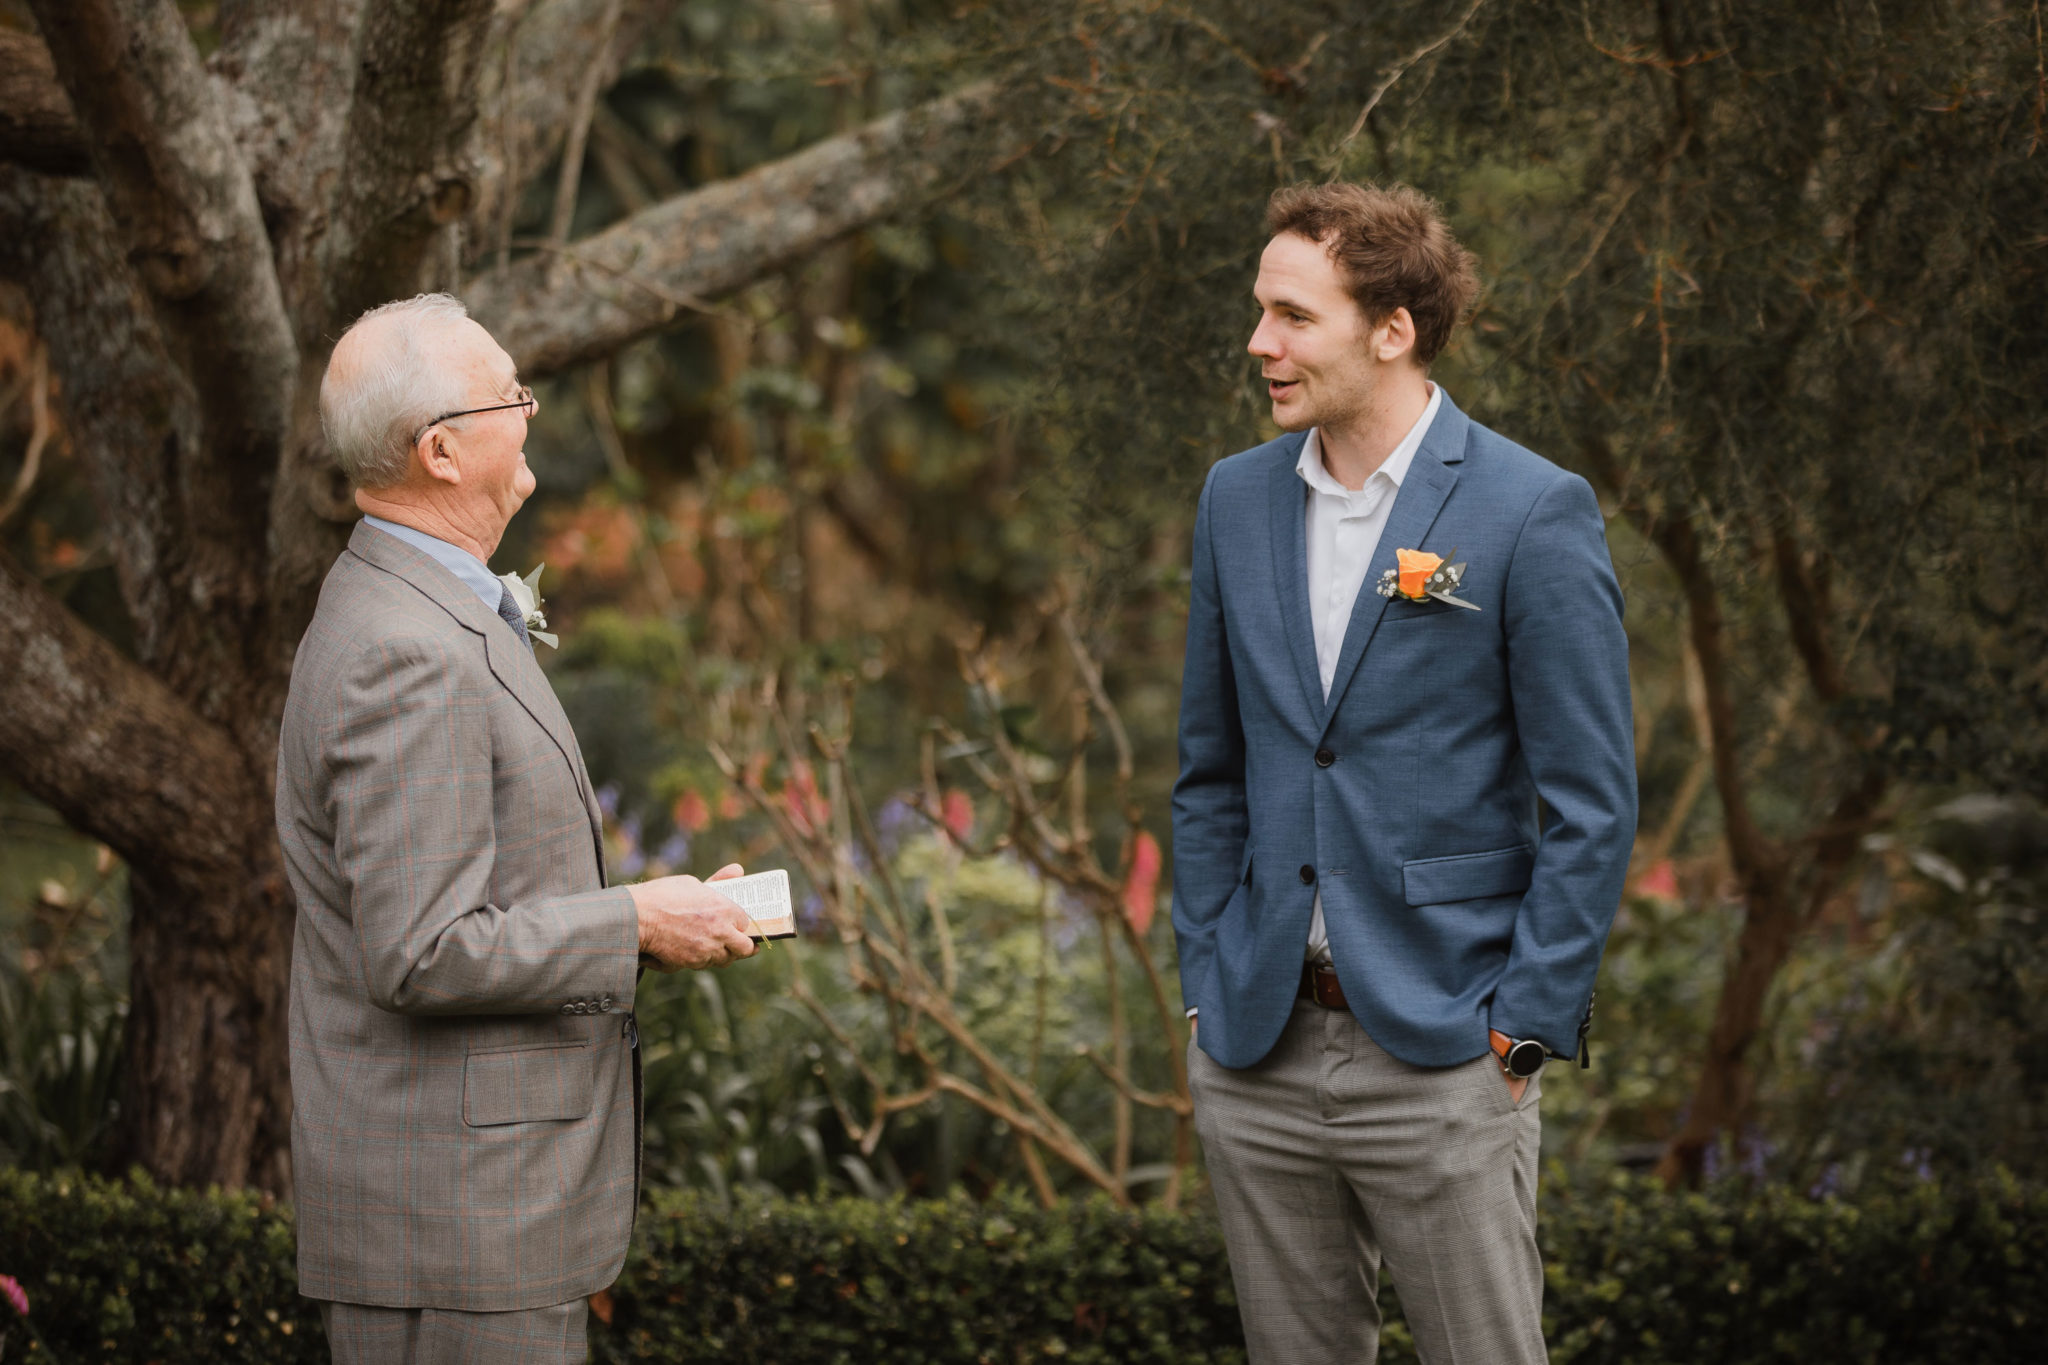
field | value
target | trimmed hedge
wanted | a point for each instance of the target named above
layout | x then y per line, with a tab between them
121	1270
124	1271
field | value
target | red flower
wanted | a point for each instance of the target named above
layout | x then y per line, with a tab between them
1141	883
692	812
956	812
1660	882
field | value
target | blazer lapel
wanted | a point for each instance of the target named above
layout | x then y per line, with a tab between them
1288	498
511	662
1431	476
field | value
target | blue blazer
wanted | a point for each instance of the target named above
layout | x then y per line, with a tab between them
1411	797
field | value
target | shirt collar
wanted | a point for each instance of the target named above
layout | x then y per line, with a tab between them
1310	463
456	560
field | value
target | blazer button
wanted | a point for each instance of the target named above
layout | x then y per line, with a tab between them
1324	758
1308	874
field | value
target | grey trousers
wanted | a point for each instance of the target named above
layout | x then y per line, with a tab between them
1330	1157
359	1334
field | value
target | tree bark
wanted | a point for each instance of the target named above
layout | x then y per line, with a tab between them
408	169
180	193
37	129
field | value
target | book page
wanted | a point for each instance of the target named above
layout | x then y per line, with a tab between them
765	896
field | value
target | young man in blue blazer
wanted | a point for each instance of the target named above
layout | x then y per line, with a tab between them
1405	806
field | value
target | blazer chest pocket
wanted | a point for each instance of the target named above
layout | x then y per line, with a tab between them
1467	876
526	1085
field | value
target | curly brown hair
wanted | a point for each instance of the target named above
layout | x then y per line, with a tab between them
1394	250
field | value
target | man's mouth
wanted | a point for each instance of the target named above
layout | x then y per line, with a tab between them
1280	388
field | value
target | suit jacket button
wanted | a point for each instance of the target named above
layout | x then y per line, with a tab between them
1308	874
604	1006
1324	758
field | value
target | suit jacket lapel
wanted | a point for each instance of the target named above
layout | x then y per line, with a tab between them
1288	497
511	662
1431	476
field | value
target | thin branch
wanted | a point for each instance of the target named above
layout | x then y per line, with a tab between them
38	436
1395	72
587	92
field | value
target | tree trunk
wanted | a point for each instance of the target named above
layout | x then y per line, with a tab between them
1721	1094
206	1097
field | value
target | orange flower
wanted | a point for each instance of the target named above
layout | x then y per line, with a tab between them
1416	567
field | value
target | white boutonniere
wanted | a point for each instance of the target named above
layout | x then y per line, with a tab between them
526	596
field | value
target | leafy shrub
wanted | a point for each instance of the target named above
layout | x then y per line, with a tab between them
122	1270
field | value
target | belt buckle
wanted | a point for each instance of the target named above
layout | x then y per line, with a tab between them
1323	986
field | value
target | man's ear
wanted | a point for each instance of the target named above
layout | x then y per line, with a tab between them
437	457
1395	337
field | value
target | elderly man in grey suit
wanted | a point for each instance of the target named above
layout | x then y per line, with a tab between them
1404	639
465	1073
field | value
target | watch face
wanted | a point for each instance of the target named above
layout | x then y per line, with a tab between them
1524	1059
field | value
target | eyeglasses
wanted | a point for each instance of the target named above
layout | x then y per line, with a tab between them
525	400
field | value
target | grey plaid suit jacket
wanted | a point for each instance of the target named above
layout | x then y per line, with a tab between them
464	1127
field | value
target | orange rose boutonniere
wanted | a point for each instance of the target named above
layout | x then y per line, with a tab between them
1421	576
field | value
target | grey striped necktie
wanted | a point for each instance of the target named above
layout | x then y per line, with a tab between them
514	618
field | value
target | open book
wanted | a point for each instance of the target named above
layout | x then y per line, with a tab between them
765	896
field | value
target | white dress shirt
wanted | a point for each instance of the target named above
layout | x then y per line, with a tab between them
1343	535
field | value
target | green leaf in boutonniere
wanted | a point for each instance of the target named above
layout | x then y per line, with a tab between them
526	596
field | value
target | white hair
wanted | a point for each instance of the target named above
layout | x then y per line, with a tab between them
374	408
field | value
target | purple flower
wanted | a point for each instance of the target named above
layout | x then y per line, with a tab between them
894	820
1830	1183
675	850
632	862
608	799
16	1295
811	913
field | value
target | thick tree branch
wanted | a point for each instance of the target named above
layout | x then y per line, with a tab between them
181	195
407	171
560	309
286	70
37	128
110	748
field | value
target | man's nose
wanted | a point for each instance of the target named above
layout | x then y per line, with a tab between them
1261	343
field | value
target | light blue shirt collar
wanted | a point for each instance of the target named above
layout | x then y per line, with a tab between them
453	558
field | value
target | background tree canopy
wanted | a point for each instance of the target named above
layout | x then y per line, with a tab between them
868	325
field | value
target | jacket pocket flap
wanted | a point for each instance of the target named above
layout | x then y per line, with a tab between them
526	1085
1467	876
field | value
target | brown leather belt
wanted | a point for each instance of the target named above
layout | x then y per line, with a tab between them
1319	983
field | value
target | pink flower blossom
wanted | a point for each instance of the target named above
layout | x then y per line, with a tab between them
16	1295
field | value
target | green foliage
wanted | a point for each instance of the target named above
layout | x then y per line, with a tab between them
1926	1274
928	1281
60	1054
1936	1055
122	1270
